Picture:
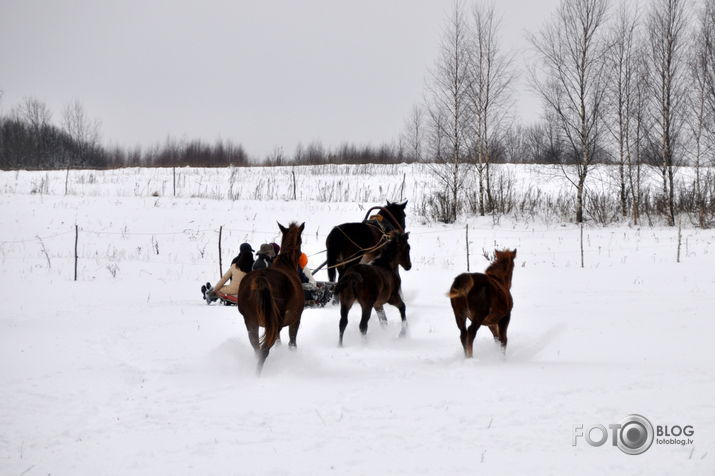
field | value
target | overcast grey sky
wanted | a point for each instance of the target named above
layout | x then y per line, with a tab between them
263	73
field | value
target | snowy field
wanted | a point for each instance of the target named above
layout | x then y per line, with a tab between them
128	371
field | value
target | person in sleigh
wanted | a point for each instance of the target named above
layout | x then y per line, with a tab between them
240	266
317	294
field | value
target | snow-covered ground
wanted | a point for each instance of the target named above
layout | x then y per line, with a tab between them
128	371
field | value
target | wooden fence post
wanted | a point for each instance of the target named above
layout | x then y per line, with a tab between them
76	237
293	174
220	264
467	243
582	244
680	229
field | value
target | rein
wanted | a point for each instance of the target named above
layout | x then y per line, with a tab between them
356	256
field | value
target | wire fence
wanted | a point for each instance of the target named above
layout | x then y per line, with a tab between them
103	245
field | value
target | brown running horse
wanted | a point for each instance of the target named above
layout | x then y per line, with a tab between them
373	285
273	297
485	299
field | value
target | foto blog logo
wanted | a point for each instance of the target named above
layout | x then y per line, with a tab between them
633	435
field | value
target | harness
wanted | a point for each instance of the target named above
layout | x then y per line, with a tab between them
377	221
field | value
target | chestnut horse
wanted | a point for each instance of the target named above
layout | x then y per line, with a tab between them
273	297
347	243
485	299
373	285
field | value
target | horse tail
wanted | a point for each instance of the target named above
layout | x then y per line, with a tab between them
332	249
348	284
461	286
267	312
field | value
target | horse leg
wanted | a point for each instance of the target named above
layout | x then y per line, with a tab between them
495	331
293	333
471	334
253	336
460	315
403	315
344	309
366	311
262	355
503	324
381	315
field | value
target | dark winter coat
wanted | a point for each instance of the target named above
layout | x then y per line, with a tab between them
262	262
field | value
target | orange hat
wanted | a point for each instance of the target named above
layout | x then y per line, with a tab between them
303	260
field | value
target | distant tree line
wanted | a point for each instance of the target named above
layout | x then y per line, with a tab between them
29	139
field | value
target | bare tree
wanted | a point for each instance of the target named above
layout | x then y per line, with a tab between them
491	75
708	50
639	134
40	149
84	133
78	126
623	64
449	110
573	48
34	112
413	137
667	21
701	123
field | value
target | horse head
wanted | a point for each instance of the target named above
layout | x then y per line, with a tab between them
401	249
395	211
291	241
503	265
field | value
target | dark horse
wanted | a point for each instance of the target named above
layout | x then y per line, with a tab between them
485	299
273	297
373	285
348	243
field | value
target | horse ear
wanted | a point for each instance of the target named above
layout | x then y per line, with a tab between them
283	229
403	205
389	203
513	253
302	227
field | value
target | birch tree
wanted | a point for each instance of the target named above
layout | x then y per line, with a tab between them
572	49
448	109
622	64
490	79
701	102
639	135
84	133
413	137
666	27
